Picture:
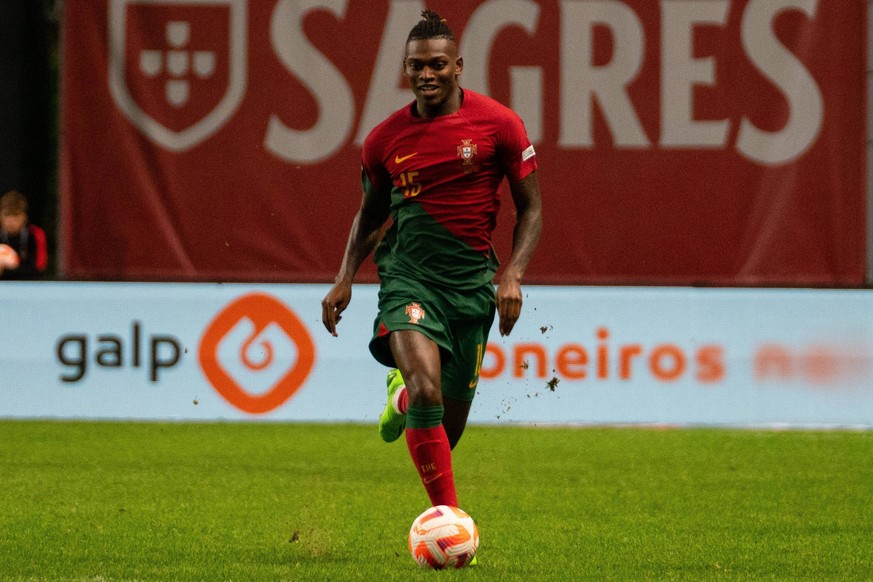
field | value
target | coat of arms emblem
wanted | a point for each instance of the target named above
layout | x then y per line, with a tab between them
466	151
415	312
177	68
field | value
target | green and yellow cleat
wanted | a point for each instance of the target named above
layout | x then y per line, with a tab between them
392	421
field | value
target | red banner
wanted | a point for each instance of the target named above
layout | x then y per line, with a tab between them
715	142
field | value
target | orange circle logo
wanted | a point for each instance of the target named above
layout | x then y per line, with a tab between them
256	353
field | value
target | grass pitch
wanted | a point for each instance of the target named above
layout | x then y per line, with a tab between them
152	501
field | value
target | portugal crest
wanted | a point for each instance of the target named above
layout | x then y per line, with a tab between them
466	151
415	312
177	68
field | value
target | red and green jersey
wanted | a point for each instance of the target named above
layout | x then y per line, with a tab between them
443	175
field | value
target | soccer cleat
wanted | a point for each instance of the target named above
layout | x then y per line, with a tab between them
392	421
474	561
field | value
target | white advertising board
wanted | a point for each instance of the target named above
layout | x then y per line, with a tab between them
686	356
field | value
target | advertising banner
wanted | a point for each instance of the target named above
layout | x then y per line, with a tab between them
716	142
675	356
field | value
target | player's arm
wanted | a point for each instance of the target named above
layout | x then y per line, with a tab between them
363	237
525	236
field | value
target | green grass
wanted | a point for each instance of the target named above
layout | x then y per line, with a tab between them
153	501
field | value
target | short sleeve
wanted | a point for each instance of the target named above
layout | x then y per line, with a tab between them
374	176
518	155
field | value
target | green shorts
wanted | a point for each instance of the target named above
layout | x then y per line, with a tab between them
457	321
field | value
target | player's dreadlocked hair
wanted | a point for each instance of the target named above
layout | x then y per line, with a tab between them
431	25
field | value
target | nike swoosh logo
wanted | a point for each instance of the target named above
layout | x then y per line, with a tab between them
400	160
430	480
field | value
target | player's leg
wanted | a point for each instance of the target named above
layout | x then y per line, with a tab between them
455	413
392	422
460	376
418	358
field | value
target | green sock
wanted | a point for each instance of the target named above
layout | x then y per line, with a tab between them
424	416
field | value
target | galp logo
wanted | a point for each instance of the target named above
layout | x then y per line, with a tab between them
177	68
256	353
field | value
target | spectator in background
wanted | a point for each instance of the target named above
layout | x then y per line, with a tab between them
25	255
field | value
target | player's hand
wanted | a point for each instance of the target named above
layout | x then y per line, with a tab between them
334	303
508	304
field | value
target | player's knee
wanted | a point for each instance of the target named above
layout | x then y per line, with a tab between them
424	393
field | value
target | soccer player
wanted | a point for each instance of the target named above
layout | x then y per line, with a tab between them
435	167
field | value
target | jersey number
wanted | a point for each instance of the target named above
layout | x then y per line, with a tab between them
479	357
410	188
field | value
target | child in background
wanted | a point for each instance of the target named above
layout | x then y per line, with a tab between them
23	251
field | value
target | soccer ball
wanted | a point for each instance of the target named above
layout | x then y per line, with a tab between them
443	537
8	257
